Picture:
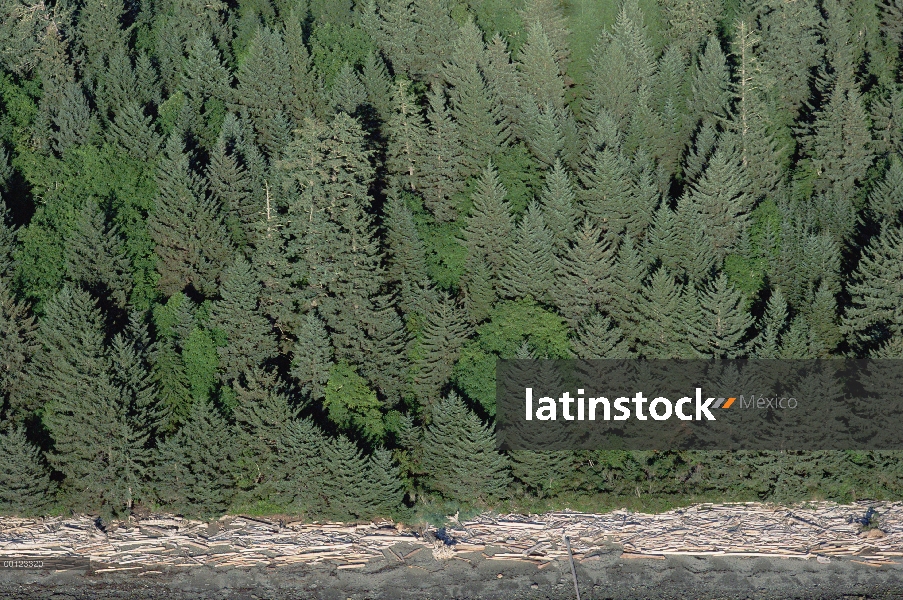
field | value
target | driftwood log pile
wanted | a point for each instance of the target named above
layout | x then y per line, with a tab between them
815	530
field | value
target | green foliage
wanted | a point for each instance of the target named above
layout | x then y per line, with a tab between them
510	324
25	485
351	404
333	45
459	455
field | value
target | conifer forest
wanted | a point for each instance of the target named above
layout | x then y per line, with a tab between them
262	255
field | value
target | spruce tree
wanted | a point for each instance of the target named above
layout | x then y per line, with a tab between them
442	175
248	336
264	86
347	94
378	85
691	21
874	312
95	256
407	260
607	191
597	337
312	359
489	227
480	119
203	76
885	201
262	412
771	327
711	84
407	137
17	344
841	144
396	33
444	332
503	80
434	34
25	485
99	449
384	487
549	14
629	274
539	73
299	470
542	131
194	469
662	310
791	49
460	456
305	85
345	482
134	132
383	356
480	291
129	354
721	199
559	208
191	240
585	274
531	263
232	186
718	322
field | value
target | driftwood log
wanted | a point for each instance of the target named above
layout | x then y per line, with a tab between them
814	530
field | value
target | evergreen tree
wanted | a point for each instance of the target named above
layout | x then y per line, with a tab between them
396	34
383	356
378	85
721	199
434	34
232	186
191	240
489	227
771	328
303	100
874	312
204	77
480	291
559	208
312	359
264	85
262	412
629	274
17	344
841	143
384	485
662	312
549	14
886	198
25	485
480	120
407	136
531	263
540	76
442	160
345	485
249	340
407	260
101	452
95	256
134	132
585	276
503	80
607	195
444	332
597	337
711	85
459	455
299	471
347	94
193	469
718	323
691	21
791	49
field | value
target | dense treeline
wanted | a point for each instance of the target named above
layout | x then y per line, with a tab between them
266	253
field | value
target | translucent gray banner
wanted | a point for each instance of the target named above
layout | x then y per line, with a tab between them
699	404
